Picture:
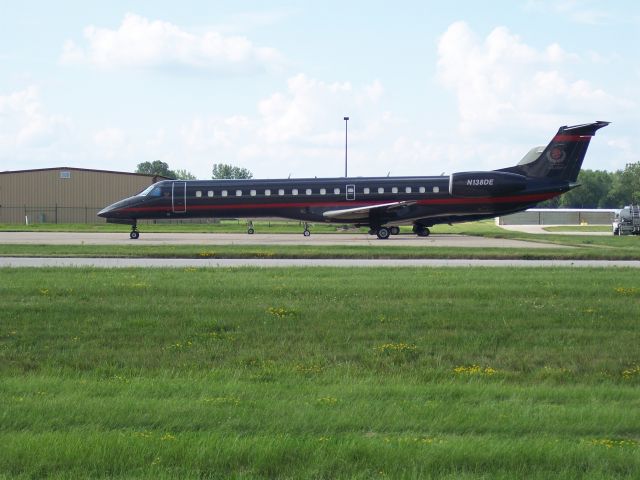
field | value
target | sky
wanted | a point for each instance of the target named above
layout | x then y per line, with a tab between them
429	87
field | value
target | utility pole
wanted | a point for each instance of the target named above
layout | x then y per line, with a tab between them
346	122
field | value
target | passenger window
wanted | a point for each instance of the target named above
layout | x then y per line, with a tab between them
422	190
336	191
436	189
309	191
366	190
281	191
267	193
238	193
407	190
198	193
380	190
323	191
294	191
210	193
252	193
394	190
223	193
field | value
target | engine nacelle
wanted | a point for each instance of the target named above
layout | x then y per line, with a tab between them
485	184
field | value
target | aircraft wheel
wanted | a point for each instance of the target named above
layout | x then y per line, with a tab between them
251	231
306	233
421	231
134	235
383	233
394	230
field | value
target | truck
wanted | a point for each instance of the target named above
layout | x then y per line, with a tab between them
627	221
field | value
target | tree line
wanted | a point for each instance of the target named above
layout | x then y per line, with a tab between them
219	171
601	189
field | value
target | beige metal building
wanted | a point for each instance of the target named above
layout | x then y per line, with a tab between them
64	194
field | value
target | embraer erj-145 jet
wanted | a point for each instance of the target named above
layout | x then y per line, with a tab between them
380	203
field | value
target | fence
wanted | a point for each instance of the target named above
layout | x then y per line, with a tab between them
56	214
559	216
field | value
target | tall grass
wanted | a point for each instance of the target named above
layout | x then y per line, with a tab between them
325	373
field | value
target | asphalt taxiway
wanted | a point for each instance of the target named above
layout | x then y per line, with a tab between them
345	239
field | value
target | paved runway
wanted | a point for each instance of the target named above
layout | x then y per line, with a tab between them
347	239
21	262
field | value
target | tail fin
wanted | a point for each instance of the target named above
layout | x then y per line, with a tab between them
562	158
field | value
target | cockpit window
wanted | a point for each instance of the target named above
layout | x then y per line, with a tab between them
151	190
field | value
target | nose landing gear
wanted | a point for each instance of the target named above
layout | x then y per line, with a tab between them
135	234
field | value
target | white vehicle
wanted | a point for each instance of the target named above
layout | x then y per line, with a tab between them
627	221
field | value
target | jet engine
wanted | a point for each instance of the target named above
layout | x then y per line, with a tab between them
485	184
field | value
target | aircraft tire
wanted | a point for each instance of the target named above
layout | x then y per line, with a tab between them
394	230
306	233
251	231
383	233
134	235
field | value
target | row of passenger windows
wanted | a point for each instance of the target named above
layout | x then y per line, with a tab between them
309	191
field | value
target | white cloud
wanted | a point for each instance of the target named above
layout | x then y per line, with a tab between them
24	123
297	129
502	82
156	44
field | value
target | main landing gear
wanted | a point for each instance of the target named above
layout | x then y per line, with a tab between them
250	229
306	232
421	230
384	232
135	234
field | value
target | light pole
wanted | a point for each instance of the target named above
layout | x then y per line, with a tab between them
346	122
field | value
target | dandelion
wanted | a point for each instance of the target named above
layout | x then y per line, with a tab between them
611	443
627	291
632	372
476	370
281	312
396	348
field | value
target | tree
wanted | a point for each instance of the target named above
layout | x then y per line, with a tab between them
182	174
156	167
593	192
224	170
630	183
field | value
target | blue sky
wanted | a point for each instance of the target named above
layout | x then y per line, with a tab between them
430	87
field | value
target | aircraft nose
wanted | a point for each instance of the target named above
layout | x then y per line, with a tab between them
105	211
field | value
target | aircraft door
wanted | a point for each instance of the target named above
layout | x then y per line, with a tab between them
179	197
351	192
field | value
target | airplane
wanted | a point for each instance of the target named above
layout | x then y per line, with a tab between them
380	203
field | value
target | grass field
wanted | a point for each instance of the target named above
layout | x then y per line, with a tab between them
320	373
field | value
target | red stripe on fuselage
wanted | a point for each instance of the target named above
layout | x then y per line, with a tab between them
538	197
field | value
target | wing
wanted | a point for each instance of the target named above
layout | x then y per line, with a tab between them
360	213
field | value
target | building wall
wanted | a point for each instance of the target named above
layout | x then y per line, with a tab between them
64	195
559	216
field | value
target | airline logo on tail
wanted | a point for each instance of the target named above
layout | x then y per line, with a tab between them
557	155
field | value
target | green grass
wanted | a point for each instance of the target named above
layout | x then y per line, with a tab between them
579	228
321	373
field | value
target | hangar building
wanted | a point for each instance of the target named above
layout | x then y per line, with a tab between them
64	194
